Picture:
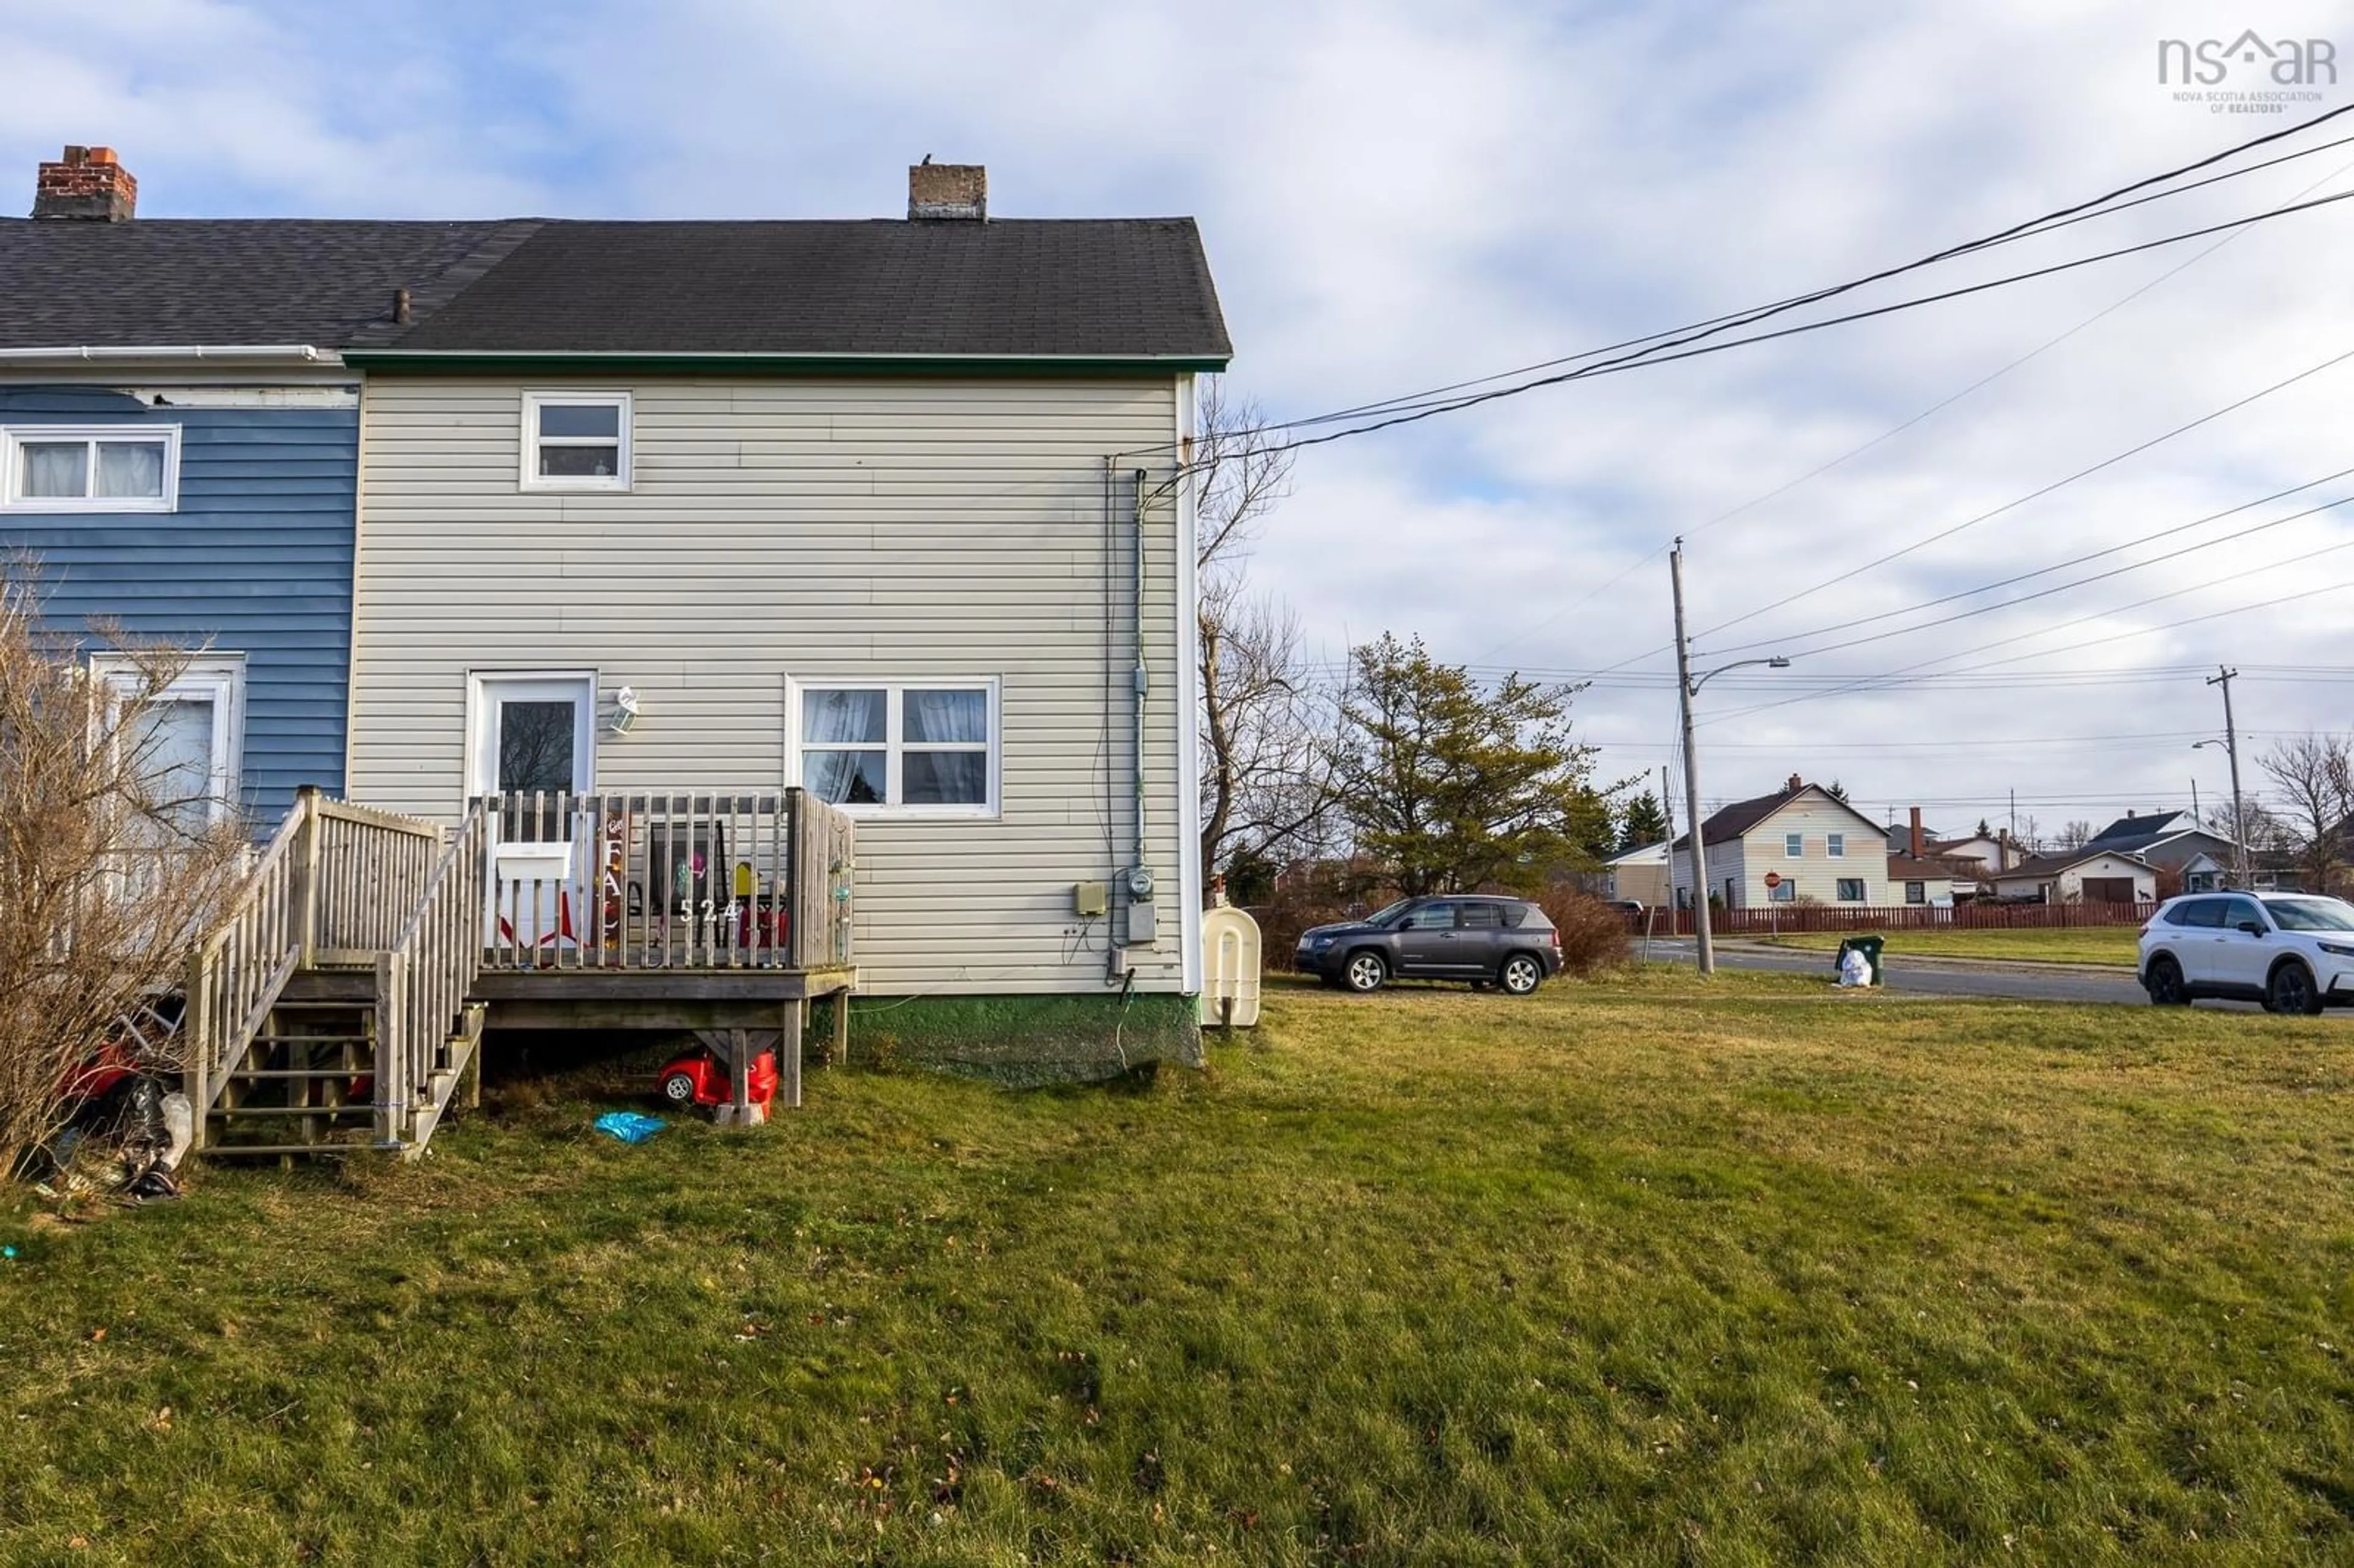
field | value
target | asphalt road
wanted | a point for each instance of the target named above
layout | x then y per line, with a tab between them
2025	982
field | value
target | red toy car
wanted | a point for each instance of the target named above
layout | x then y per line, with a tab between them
700	1080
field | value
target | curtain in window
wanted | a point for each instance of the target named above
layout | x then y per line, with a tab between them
56	468
130	468
937	718
842	718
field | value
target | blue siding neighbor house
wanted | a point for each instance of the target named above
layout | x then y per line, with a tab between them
250	568
179	447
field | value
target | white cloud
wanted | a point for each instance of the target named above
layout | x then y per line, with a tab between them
1397	196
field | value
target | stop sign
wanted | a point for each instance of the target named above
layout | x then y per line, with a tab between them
1773	879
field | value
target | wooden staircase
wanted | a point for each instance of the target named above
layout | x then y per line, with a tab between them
329	1011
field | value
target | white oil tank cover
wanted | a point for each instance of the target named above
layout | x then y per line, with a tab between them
1229	966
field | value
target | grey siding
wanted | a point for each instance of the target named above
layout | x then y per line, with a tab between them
257	561
826	531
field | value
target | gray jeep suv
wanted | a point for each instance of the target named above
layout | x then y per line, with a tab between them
1480	938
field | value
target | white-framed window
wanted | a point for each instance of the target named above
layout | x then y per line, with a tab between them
190	734
1794	846
1850	890
89	468
1835	846
1784	892
576	440
899	747
1916	893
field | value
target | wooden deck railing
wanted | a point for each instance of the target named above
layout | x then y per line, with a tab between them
423	978
634	881
365	870
236	974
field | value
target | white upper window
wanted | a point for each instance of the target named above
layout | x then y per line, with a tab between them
189	734
921	747
576	440
99	467
1835	846
1794	846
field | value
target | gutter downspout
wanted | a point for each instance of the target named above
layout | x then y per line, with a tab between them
1140	875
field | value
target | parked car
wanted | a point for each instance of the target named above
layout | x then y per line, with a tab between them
2292	951
1488	941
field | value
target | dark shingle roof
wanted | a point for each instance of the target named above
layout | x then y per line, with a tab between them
178	282
1112	288
1730	823
2139	832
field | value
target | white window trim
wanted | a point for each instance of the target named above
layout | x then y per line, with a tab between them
13	438
1794	846
218	680
585	736
1783	891
1835	845
624	459
1863	890
893	745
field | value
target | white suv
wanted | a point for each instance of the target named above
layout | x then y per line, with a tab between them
2292	951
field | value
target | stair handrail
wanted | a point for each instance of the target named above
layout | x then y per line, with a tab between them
424	979
237	973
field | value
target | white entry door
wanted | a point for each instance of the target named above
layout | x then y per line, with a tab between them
533	735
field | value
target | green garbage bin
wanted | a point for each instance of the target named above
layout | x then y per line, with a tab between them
1868	947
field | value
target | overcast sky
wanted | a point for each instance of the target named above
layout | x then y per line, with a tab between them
1396	198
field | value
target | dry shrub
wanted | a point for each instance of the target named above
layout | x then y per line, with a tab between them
113	869
1314	893
1593	934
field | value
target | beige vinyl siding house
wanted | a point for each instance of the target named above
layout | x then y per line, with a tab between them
896	511
1819	850
838	532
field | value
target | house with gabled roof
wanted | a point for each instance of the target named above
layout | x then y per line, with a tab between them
179	441
2171	840
732	615
1814	847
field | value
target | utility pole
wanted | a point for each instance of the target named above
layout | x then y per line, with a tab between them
2224	677
1701	935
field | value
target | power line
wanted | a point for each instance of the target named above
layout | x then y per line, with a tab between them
2038	493
2099	577
1646	359
1899	677
2047	223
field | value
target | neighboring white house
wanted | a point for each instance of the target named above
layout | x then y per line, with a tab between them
894	511
1816	848
1640	874
2099	876
1937	883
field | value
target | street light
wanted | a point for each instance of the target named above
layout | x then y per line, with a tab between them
2231	745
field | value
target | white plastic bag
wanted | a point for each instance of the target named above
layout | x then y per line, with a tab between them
1855	969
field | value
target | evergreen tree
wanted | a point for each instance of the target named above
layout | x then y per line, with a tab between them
1646	822
1448	788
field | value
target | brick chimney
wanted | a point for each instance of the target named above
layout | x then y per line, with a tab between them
1919	844
948	191
1795	785
87	183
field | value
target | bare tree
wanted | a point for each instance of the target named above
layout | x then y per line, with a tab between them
2075	836
1266	775
110	852
2313	775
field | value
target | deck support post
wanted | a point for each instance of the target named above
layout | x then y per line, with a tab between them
739	1110
841	1057
789	1055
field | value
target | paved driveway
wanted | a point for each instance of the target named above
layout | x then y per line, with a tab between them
2025	982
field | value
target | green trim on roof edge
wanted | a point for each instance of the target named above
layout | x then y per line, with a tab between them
774	363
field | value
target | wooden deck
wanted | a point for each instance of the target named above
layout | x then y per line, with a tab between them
726	916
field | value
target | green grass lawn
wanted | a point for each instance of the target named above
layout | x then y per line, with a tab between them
1637	1272
2087	945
